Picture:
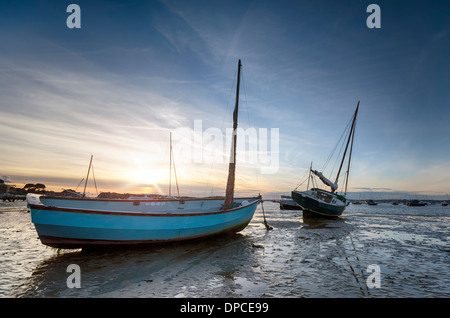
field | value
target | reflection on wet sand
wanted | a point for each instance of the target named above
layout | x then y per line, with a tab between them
333	237
319	223
167	268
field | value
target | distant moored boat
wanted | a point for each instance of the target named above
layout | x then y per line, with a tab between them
371	202
286	203
416	203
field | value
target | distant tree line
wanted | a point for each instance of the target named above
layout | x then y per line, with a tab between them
34	188
27	188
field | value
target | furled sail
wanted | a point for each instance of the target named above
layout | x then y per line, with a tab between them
333	185
229	194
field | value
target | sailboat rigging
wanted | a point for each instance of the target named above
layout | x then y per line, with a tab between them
172	159
319	202
91	166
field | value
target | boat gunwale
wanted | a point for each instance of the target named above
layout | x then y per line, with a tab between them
139	199
138	213
304	193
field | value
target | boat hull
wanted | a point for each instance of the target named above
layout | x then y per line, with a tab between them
64	227
314	207
416	203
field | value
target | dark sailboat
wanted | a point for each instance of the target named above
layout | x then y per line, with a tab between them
319	202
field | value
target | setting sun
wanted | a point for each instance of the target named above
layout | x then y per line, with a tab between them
152	176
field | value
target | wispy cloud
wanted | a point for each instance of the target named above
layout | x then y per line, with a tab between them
49	113
52	121
116	89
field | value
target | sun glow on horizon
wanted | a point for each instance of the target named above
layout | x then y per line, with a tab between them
149	177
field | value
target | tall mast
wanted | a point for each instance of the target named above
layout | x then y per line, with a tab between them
349	159
170	166
349	137
309	176
87	177
229	194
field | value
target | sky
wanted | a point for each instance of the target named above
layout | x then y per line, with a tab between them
138	70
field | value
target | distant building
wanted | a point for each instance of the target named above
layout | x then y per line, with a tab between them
3	187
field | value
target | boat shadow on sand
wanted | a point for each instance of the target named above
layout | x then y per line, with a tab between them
325	223
110	269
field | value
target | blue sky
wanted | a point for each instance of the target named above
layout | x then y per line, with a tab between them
137	70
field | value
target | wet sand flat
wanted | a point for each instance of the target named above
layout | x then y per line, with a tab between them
299	258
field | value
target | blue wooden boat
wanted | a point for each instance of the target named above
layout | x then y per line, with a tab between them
79	222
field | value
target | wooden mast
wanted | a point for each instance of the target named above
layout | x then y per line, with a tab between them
229	194
345	151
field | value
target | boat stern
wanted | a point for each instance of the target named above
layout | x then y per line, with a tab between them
34	199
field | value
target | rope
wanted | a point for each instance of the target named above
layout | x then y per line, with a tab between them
95	182
334	150
268	227
302	182
175	172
